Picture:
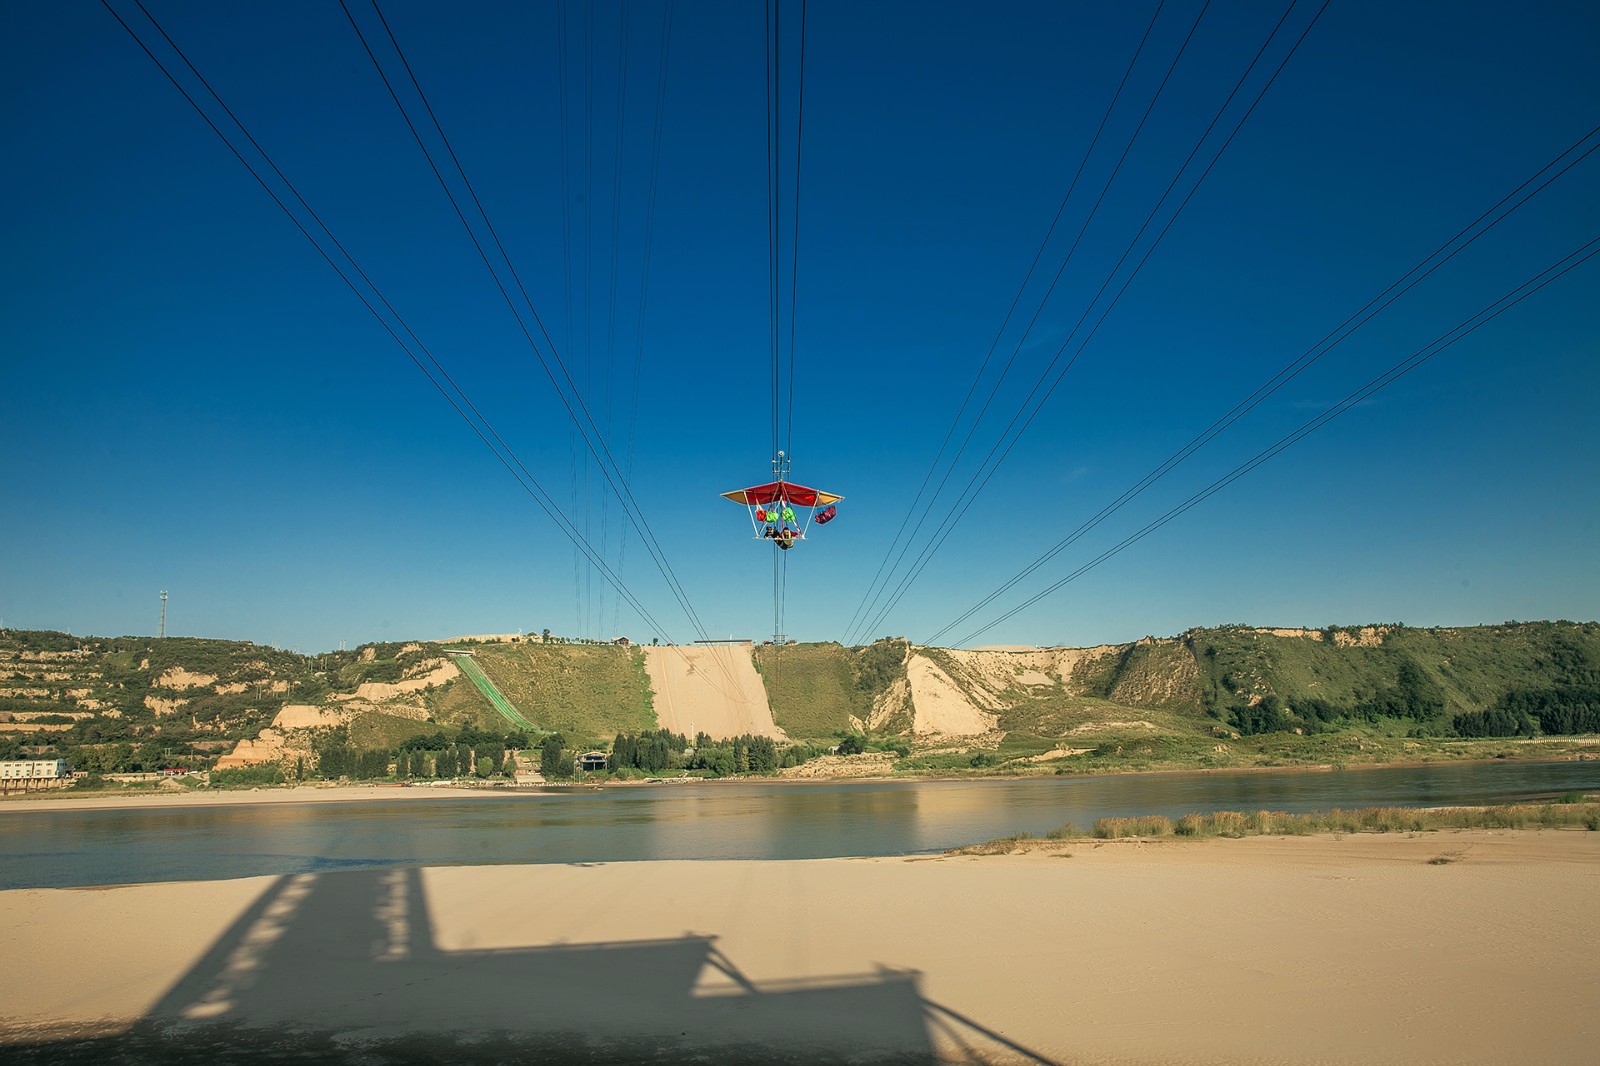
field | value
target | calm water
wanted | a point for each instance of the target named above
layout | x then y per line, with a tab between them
43	848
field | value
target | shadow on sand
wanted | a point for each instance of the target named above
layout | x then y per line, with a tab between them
344	967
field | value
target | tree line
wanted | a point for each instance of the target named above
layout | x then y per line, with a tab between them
655	751
1560	710
471	752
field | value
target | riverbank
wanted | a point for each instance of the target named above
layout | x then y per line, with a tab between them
108	799
1360	948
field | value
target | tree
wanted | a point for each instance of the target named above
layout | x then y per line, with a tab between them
545	636
553	759
854	744
1265	716
718	760
335	761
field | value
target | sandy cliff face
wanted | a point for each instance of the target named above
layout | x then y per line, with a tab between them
963	693
438	671
266	748
941	707
712	689
178	677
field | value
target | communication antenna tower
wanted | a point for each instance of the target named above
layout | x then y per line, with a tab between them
163	614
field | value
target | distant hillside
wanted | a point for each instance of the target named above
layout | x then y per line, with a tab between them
1427	672
1175	698
116	704
1230	695
821	691
587	692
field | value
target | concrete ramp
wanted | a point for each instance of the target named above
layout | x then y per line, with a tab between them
710	689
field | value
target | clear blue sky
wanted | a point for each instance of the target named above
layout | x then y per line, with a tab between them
191	400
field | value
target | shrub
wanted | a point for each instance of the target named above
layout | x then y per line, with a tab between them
1149	825
248	776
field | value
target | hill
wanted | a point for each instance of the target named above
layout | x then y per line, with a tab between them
1218	696
130	704
823	691
1269	696
587	692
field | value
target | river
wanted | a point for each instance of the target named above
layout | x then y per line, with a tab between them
42	848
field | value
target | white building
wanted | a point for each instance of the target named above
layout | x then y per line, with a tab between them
33	769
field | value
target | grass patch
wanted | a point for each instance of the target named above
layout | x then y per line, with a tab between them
815	689
1147	825
587	692
1584	815
997	846
1022	745
811	689
375	729
459	702
265	776
1379	820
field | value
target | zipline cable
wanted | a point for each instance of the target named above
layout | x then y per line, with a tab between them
562	37
644	274
480	425
596	444
794	241
1373	307
970	493
1398	370
1016	300
616	237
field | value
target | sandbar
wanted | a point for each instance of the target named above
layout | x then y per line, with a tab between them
1472	946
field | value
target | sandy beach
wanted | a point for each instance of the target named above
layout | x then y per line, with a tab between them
1462	947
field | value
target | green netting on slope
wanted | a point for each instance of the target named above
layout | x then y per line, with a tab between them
475	673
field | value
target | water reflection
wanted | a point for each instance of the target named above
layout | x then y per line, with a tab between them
694	821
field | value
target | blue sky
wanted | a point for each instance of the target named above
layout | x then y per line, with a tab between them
191	400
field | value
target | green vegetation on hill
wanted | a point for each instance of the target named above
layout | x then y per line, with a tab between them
138	703
375	729
144	703
1213	697
474	673
1236	696
588	692
1259	683
816	689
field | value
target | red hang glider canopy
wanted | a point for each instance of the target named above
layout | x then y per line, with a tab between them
782	492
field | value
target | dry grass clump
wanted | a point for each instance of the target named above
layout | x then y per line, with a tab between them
1563	814
997	846
1148	825
1373	820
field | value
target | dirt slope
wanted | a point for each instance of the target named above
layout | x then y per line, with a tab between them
940	708
713	689
964	693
